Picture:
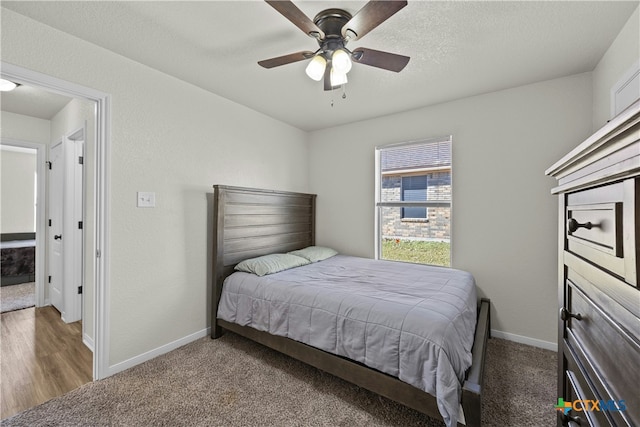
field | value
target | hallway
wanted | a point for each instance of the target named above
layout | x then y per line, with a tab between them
41	357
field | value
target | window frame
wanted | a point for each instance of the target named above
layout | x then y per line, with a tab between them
379	204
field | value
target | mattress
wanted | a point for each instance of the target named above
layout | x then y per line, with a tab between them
12	244
411	321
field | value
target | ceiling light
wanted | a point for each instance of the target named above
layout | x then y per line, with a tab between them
337	78
341	61
316	67
7	86
333	29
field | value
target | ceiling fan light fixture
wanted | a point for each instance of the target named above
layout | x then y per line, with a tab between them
333	28
341	61
337	78
316	67
7	85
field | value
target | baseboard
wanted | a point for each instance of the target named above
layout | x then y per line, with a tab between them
130	363
547	345
86	340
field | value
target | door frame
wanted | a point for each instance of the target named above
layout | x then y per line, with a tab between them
102	192
41	205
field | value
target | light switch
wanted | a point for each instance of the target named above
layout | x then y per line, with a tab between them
146	199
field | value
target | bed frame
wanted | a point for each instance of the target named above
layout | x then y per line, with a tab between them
251	222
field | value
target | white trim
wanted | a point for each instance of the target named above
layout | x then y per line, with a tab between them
41	214
102	227
547	345
378	195
416	170
623	84
101	196
86	340
136	360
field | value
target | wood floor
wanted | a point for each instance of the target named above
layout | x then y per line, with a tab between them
41	357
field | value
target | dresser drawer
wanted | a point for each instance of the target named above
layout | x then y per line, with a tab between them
603	337
579	396
601	227
597	226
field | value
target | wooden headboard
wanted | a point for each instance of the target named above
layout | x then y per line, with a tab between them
250	222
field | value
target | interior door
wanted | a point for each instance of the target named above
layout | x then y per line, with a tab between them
73	220
56	247
66	215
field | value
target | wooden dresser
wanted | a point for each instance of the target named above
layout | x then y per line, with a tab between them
599	291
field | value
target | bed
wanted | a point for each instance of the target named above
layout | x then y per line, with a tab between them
17	258
249	223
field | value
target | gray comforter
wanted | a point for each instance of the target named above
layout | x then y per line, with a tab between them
414	322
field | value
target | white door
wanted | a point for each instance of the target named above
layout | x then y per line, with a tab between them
66	224
73	226
56	216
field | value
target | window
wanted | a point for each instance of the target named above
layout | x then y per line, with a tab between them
414	189
413	201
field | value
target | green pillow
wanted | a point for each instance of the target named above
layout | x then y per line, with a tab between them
272	263
315	253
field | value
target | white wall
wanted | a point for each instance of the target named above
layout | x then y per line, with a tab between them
504	217
623	53
177	140
76	114
24	128
18	171
17	201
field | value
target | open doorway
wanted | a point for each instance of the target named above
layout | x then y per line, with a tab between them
92	131
21	228
46	344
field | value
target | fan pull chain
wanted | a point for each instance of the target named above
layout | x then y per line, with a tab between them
344	94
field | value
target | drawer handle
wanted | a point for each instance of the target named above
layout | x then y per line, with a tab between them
570	421
573	225
566	315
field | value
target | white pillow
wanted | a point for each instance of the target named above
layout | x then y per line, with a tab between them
272	263
315	253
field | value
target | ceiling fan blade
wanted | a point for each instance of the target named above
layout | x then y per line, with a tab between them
286	59
297	17
370	16
380	59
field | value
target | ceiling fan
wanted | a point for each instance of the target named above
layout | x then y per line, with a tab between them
333	29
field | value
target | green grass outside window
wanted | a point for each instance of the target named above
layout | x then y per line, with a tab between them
434	253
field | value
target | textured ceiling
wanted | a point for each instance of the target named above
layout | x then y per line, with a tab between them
457	49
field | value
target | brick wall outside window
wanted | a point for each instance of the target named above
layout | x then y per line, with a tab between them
437	224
